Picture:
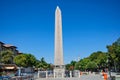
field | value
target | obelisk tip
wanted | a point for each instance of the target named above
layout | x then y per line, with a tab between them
57	7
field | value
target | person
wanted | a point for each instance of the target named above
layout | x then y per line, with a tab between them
105	76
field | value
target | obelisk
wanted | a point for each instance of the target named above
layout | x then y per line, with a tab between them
59	67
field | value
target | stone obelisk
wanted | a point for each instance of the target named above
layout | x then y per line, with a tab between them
59	67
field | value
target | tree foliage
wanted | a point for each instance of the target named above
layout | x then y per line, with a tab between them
43	65
91	66
95	60
71	66
81	65
6	57
100	58
25	60
114	54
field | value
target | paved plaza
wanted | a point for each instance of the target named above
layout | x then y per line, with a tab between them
83	77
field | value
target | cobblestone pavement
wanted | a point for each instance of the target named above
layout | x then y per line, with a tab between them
83	77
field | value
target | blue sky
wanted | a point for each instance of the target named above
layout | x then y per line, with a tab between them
88	26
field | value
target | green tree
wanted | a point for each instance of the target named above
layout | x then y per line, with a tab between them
68	67
7	57
37	64
100	58
43	65
71	66
91	66
78	66
0	57
25	60
20	60
114	54
81	65
31	60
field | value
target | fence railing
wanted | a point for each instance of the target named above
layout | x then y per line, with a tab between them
27	77
51	74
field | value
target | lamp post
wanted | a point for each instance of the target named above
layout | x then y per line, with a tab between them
109	66
115	66
19	71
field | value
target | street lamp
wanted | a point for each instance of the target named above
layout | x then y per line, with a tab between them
109	68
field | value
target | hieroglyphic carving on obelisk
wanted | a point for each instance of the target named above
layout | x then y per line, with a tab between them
59	67
58	38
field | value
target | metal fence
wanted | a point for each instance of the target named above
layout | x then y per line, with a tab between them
50	74
27	77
